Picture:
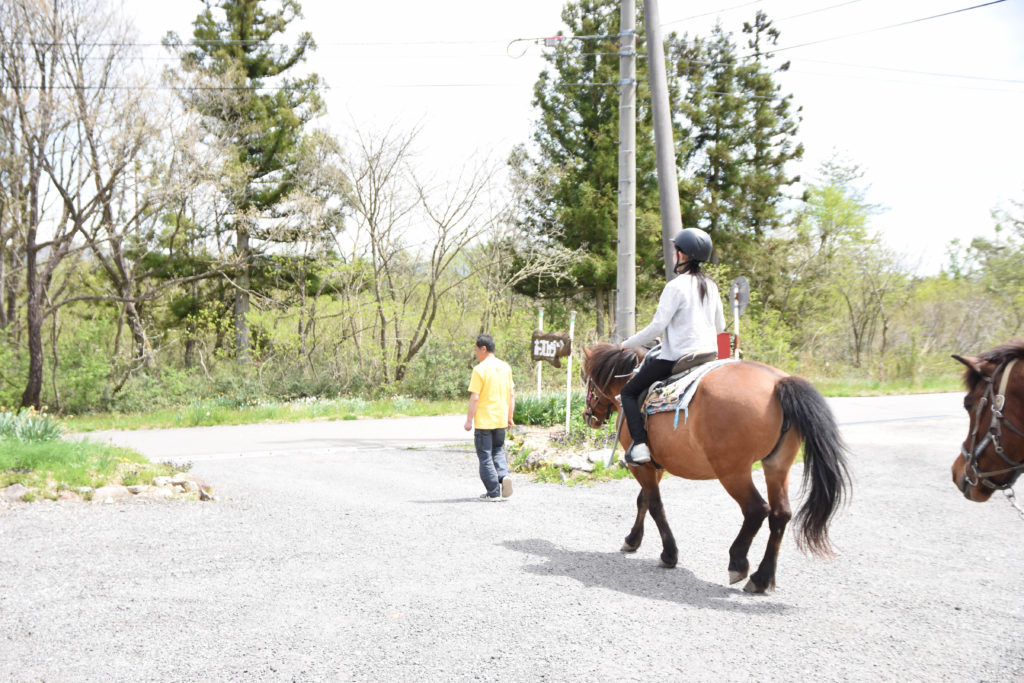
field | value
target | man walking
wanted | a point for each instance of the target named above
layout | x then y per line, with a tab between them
491	404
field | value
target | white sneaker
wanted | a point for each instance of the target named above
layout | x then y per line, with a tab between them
638	454
506	486
487	498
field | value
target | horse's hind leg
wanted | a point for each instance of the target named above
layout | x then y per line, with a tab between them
777	482
755	509
636	534
649	477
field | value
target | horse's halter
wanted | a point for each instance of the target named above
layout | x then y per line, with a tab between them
993	435
603	393
588	413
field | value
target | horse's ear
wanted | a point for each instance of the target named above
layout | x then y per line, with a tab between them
973	362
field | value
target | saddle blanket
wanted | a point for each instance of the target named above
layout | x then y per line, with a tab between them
676	392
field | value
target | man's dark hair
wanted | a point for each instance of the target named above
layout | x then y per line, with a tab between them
485	341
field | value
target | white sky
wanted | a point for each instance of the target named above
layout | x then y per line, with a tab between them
931	110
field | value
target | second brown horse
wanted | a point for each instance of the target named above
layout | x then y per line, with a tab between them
742	413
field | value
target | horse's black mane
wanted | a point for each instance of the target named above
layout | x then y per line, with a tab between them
607	361
997	356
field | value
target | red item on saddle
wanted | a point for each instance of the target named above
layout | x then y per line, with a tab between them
724	346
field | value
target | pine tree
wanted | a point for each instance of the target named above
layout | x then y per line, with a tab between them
246	100
740	134
576	141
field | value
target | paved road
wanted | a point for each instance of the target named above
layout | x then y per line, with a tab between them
346	557
206	443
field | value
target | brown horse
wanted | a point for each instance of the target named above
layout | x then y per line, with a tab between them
991	459
742	413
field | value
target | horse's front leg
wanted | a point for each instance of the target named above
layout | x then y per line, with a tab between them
649	477
636	534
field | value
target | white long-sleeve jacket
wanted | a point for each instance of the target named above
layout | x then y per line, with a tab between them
685	323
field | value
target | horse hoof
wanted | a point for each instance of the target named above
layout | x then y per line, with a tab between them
736	577
666	565
752	587
627	548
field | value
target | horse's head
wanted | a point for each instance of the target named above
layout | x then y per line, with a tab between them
992	456
606	368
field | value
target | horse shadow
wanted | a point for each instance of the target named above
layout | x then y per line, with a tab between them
640	578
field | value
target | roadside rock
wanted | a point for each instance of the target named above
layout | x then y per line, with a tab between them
14	492
578	462
110	494
543	453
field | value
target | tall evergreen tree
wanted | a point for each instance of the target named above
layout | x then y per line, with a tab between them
739	137
576	139
245	98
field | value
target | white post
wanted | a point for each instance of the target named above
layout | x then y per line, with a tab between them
625	278
568	372
736	319
540	328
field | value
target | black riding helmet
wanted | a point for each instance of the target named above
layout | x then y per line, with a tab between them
695	243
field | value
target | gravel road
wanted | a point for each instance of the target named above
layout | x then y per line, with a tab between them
348	557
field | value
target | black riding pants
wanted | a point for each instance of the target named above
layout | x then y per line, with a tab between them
650	372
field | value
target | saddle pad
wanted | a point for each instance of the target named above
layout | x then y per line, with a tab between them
677	393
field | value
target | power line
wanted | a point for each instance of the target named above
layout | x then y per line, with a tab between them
708	14
885	28
914	72
820	9
916	83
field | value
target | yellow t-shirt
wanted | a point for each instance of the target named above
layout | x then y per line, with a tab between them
492	380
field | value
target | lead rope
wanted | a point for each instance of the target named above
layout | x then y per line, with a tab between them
1012	498
615	439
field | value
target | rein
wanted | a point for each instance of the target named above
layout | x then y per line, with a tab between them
993	436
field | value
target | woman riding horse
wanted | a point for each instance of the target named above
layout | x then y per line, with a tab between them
689	317
742	413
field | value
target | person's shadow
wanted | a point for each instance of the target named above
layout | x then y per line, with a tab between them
640	578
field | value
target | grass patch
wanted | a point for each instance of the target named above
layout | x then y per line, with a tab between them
33	455
862	386
47	467
232	411
555	474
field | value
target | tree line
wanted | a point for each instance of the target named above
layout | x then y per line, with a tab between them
163	235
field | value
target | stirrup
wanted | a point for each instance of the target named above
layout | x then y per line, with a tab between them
638	454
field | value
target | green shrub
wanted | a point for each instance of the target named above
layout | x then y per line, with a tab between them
547	410
13	373
440	371
84	364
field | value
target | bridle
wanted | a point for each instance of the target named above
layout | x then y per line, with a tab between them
603	392
993	437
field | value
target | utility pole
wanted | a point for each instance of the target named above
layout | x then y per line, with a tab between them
664	147
625	300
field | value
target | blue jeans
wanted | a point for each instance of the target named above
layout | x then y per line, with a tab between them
490	449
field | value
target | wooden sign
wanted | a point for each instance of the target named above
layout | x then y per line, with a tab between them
551	346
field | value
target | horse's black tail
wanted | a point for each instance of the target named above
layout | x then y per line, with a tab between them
824	461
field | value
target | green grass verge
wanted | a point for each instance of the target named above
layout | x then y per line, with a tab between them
859	386
226	411
48	467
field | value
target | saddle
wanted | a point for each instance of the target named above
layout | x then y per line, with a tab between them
683	367
675	392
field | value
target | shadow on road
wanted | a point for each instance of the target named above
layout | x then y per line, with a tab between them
615	571
445	501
